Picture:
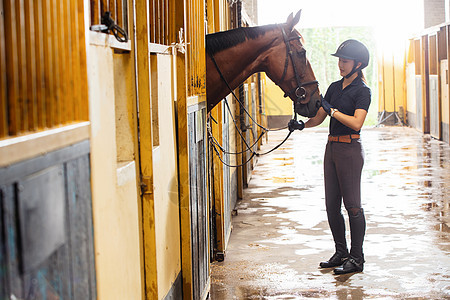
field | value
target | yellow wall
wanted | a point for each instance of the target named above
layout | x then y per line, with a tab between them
114	196
275	103
167	224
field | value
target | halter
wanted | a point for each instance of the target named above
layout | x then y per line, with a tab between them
291	126
299	91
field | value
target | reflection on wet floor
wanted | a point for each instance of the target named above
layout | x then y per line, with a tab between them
280	232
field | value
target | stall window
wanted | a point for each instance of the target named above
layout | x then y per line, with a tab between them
433	55
417	57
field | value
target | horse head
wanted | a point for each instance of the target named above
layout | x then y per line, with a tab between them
289	68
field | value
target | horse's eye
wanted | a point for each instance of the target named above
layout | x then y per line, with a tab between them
301	54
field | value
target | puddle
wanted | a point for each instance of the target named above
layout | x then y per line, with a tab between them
406	198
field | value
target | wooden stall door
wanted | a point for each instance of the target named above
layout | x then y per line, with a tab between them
445	102
226	176
198	202
47	233
435	124
419	105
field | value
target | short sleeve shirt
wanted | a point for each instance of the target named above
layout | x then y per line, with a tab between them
355	96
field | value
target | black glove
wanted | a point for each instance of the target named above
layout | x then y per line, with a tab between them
294	124
326	106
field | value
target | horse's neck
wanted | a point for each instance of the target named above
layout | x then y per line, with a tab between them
236	64
246	58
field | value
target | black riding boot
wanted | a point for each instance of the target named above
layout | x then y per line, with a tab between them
337	226
357	230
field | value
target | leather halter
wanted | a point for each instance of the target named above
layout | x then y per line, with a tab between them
299	91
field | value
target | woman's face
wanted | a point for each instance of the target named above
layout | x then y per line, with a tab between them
345	66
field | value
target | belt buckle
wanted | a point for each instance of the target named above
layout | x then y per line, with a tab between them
345	139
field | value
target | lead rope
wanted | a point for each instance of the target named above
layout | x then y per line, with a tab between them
214	142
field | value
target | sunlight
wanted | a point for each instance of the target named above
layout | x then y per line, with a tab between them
393	21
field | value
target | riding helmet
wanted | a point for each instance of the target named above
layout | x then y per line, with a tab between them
354	50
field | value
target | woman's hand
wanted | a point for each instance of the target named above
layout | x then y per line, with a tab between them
326	106
317	119
355	122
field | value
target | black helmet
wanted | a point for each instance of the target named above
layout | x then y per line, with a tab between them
354	50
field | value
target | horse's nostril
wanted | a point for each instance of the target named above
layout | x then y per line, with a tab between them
318	103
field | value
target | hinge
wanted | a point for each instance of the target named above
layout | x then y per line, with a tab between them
146	185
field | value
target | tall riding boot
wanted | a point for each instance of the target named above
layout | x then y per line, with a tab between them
357	231
355	263
337	226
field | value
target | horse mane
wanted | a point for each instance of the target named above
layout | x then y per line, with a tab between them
216	42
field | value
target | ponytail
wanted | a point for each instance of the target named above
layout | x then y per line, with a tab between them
361	74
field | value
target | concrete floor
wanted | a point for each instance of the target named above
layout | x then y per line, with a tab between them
280	232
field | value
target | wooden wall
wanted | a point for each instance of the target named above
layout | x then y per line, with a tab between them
43	81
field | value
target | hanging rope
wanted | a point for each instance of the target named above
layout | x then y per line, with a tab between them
118	32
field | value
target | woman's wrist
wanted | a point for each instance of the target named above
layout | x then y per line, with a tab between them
333	111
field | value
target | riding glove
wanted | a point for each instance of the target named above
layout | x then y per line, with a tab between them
326	106
296	125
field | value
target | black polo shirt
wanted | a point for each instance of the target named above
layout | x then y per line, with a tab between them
355	96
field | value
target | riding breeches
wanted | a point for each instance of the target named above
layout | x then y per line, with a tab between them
343	165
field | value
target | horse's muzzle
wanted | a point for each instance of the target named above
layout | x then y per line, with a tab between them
310	108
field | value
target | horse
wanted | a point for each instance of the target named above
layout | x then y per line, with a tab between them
234	55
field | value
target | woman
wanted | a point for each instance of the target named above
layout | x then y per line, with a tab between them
346	102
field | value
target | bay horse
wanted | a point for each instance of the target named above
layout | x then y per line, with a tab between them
234	55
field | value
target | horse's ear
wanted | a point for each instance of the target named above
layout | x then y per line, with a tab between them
292	21
290	18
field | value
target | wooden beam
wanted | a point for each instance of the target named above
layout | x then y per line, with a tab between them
75	43
21	60
39	54
12	73
143	26
68	109
120	15
58	96
82	87
48	65
183	153
30	66
3	82
95	12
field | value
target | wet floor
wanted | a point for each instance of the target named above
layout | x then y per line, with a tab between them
280	232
